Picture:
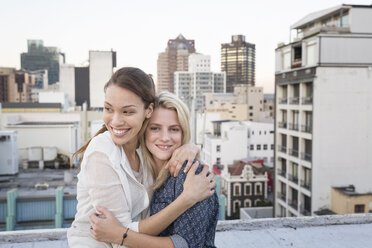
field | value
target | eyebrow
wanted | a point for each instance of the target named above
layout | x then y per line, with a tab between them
156	124
126	106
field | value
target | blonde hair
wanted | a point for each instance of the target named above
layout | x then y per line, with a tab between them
169	101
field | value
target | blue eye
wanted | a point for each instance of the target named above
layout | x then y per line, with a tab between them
154	128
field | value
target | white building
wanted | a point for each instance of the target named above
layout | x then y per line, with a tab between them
67	81
55	97
101	64
237	140
323	109
191	85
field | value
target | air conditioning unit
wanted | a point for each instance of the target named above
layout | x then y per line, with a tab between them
8	153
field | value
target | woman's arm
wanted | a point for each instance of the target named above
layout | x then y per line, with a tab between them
108	229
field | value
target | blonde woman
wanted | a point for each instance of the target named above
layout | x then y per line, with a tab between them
165	131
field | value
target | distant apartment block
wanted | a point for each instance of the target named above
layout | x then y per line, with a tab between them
246	103
175	58
40	57
323	111
238	61
191	85
15	85
85	84
237	140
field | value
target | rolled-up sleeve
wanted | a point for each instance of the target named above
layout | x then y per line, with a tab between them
105	188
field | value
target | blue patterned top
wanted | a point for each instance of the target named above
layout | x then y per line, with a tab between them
198	224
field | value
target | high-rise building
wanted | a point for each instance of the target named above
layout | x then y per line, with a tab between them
238	61
175	58
40	57
323	123
192	84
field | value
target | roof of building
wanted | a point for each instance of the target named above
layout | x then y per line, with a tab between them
350	190
316	16
30	105
303	232
26	180
236	170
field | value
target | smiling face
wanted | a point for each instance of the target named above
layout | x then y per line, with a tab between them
123	114
163	134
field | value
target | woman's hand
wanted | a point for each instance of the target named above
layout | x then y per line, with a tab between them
180	155
105	227
198	187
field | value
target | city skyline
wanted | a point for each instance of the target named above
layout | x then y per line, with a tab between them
140	31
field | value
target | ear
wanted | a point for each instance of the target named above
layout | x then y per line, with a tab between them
149	110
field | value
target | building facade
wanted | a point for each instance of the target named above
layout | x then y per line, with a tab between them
243	186
15	85
238	61
238	140
40	57
323	109
101	65
175	58
246	103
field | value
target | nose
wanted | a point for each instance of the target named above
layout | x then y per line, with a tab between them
164	135
117	120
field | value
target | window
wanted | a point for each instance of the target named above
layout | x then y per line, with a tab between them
237	189
218	162
250	114
272	146
259	133
247	203
258	189
265	147
359	208
247	189
218	148
258	147
252	148
252	132
250	107
236	206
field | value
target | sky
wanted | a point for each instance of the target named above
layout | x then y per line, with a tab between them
139	30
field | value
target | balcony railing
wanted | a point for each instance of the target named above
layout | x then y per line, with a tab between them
282	124
282	172
292	178
282	149
281	196
293	126
294	100
305	184
293	152
306	156
293	203
283	100
307	100
306	128
305	211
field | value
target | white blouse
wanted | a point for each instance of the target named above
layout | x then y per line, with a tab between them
106	179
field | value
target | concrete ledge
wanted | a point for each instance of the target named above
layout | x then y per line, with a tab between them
40	235
293	222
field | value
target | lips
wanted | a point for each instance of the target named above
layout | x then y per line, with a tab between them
164	147
120	132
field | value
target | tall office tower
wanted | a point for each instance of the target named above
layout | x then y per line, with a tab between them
101	64
40	57
192	84
175	58
323	123
238	61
